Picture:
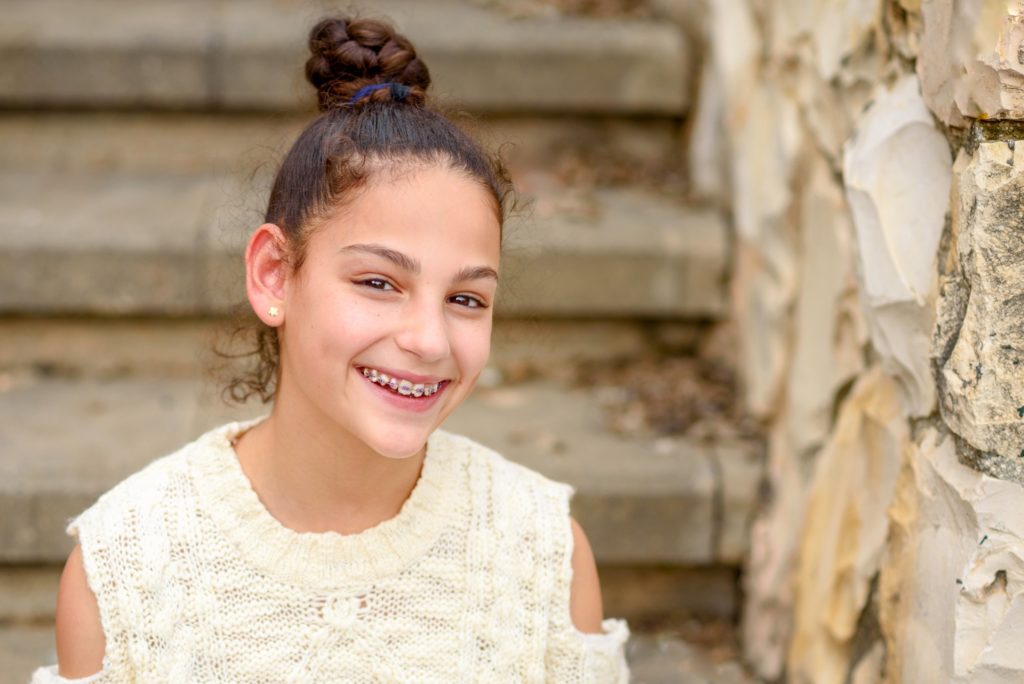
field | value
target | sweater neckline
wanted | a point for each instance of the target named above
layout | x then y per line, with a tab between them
323	559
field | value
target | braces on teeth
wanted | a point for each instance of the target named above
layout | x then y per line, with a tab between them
403	387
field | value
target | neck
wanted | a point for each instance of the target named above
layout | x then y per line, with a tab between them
314	477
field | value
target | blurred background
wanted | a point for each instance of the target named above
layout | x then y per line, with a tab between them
760	301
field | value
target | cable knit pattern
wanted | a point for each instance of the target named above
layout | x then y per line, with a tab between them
197	582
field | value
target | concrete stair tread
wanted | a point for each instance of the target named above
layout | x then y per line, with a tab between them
243	142
118	347
640	500
171	244
248	54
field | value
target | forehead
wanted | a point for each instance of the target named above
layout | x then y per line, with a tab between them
420	208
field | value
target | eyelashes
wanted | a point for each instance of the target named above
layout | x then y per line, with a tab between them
377	284
469	301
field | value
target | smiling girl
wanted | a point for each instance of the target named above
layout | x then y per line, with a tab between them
344	537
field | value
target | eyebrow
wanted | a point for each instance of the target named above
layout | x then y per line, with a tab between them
476	273
397	258
407	263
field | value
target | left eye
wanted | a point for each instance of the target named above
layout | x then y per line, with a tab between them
467	301
377	284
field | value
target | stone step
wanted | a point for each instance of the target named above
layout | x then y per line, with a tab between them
249	54
170	244
246	143
653	658
643	501
114	347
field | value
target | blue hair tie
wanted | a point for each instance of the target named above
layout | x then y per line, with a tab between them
399	91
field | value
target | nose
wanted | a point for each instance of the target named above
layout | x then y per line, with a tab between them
424	332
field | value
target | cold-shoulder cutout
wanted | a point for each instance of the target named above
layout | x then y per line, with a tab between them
582	647
80	640
585	591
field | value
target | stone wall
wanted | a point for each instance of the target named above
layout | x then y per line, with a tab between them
870	167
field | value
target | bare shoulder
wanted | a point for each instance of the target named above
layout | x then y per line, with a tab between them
80	640
585	592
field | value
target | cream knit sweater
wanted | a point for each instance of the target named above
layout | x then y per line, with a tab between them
197	582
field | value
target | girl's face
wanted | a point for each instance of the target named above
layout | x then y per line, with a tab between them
399	287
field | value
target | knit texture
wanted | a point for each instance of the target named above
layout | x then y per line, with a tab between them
197	582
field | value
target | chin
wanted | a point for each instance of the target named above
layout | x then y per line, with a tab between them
399	443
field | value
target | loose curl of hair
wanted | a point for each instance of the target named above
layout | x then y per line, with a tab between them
387	129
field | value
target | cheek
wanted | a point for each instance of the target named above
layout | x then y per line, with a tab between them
334	324
351	327
473	347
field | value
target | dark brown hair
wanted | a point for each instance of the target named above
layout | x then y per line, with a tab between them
361	132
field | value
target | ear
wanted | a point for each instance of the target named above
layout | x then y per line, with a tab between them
266	273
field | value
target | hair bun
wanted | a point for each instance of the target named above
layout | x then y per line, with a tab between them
348	54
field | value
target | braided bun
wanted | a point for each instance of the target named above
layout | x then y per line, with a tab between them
348	54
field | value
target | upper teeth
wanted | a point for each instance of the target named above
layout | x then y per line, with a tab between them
403	387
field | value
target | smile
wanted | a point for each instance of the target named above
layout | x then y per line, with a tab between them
406	388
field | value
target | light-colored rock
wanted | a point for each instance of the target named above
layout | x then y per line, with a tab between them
828	334
897	170
991	87
868	669
706	148
816	548
954	33
979	344
765	141
905	28
834	30
846	527
826	115
735	45
762	298
953	590
764	146
768	582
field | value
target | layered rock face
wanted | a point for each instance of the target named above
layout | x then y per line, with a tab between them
872	166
